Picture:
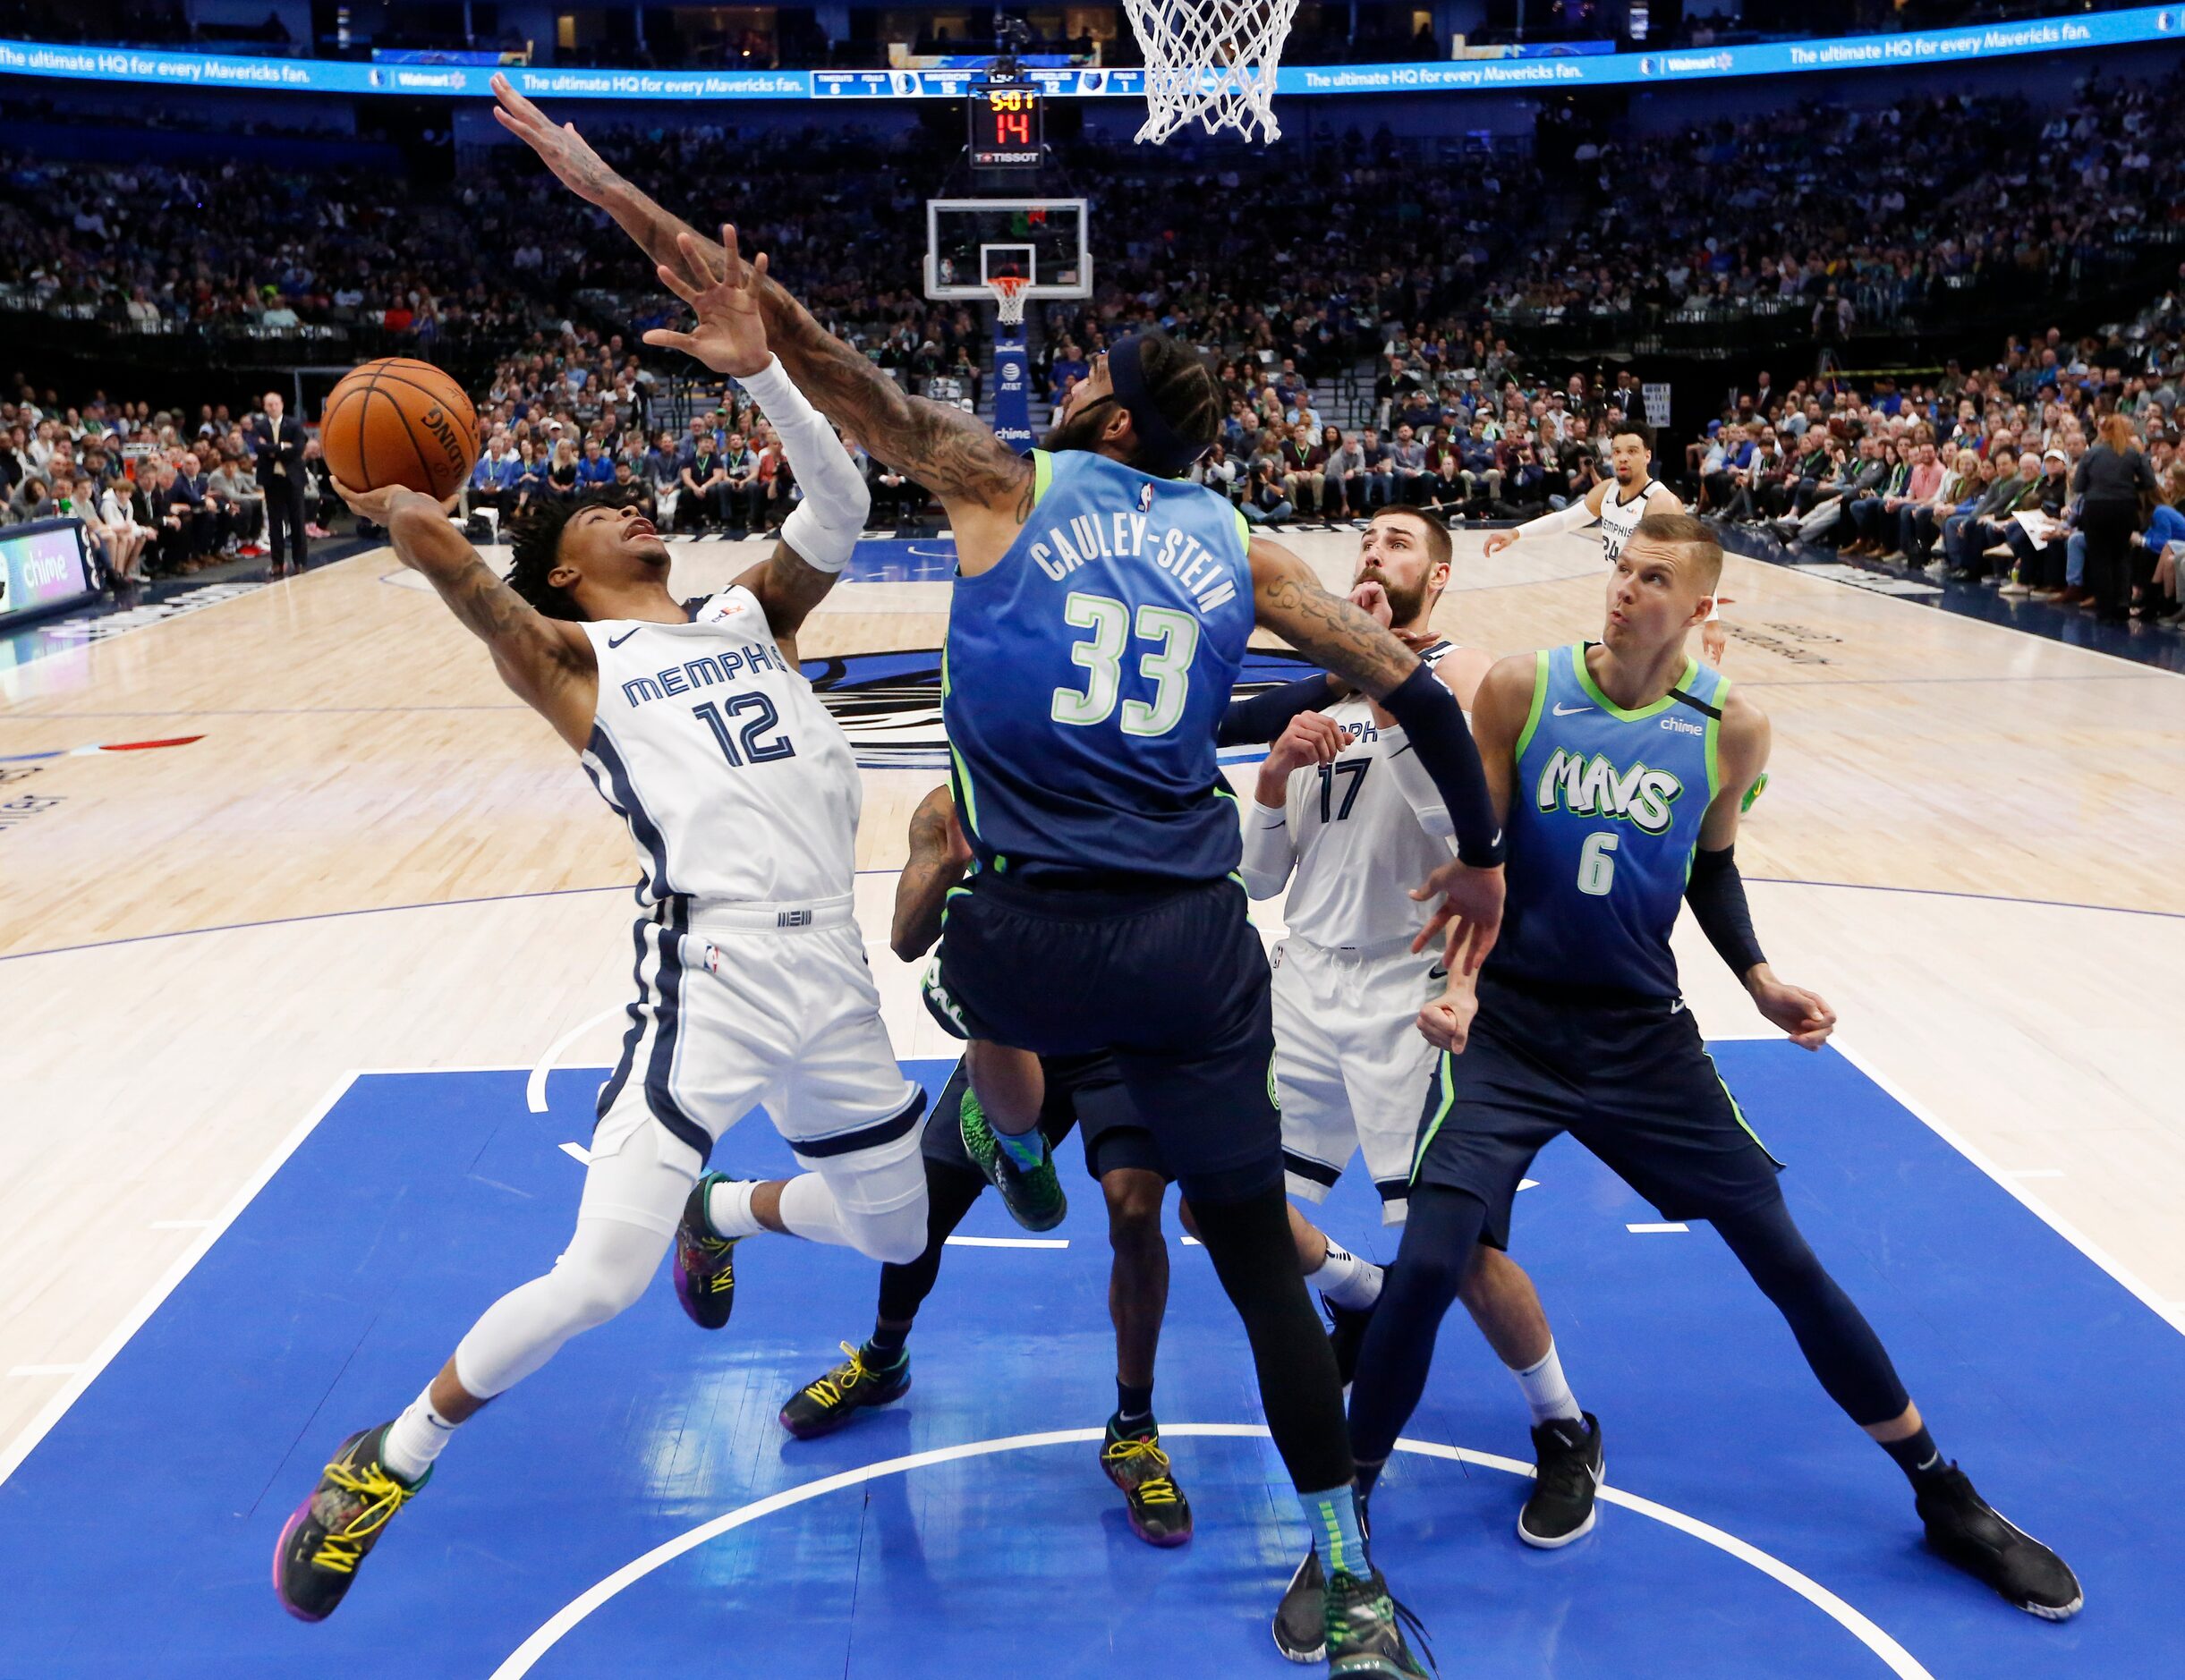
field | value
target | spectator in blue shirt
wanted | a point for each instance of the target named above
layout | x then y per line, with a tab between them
596	471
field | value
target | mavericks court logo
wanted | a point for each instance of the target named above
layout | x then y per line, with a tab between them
889	704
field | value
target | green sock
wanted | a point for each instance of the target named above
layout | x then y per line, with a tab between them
1333	1517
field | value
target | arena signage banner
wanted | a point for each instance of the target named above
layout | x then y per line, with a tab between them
41	568
2150	24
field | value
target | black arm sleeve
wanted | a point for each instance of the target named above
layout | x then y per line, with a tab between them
1716	894
1430	716
1261	717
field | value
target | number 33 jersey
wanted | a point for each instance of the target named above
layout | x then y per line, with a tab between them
1086	674
737	784
1604	816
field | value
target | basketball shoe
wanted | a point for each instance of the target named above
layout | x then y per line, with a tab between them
1366	1631
1972	1534
1560	1507
315	1561
1033	1196
705	1264
1133	1460
822	1407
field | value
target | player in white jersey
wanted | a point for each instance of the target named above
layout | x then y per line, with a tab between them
1620	503
741	795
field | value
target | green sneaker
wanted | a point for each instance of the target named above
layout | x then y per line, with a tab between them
1034	1199
1366	1631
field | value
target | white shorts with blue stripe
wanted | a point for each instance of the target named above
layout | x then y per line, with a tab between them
743	1006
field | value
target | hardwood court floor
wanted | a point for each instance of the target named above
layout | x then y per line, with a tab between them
377	858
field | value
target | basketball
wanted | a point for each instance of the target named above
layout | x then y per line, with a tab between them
399	421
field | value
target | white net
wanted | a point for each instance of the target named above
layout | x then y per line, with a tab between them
1213	61
1009	298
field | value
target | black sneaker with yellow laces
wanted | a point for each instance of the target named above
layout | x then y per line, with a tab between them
1132	1458
705	1264
330	1534
859	1383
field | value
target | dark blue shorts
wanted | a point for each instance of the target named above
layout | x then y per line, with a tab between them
1169	980
1630	1080
1085	1093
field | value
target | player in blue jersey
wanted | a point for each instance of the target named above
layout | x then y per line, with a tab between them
1621	768
1101	609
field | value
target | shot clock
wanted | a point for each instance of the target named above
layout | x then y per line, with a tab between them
1005	131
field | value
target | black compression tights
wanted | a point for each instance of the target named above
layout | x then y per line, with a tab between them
949	1192
1441	1233
1255	1257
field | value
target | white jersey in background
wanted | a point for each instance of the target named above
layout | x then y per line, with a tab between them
1619	519
1354	835
737	784
1350	1064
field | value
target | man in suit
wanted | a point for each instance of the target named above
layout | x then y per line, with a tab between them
280	443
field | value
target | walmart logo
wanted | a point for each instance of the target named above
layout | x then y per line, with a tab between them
1593	787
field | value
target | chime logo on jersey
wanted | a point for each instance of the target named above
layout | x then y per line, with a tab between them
1593	787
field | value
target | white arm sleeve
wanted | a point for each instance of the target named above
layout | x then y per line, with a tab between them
1416	785
1270	851
1569	518
824	526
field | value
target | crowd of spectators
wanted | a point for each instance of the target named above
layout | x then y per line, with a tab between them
2056	474
160	492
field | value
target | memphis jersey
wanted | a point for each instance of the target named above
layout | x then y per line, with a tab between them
1360	848
736	783
1086	674
1604	816
1619	519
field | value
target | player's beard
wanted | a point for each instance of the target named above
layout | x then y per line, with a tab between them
1081	430
1404	605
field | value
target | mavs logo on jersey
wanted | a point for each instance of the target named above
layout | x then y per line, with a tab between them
1593	787
1087	670
1599	853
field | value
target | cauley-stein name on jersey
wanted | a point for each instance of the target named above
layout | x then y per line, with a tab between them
1069	545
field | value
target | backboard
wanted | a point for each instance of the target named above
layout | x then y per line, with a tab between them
969	241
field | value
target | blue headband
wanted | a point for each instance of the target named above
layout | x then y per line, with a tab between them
1161	452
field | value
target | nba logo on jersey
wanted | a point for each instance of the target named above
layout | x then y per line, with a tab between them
1146	497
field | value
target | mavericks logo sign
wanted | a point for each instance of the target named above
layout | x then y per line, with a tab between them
1593	787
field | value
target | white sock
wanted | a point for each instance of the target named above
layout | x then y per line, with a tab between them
728	1208
415	1439
1347	1280
1546	1392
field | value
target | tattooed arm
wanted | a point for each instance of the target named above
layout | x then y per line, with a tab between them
1334	635
547	662
985	485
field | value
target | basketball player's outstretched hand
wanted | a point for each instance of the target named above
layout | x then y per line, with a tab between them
1499	541
730	335
1471	908
561	149
1805	1015
376	505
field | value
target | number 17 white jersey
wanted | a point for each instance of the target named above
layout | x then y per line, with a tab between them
736	782
1360	847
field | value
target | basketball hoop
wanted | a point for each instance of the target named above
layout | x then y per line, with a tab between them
1212	60
1008	290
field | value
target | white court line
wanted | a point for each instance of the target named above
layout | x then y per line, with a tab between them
2172	1313
1007	1242
1663	1229
534	1088
1901	1661
1528	1184
35	1432
44	1370
577	1152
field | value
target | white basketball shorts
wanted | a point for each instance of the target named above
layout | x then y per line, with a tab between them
748	1005
1350	1064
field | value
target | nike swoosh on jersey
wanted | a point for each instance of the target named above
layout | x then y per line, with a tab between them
1560	710
615	641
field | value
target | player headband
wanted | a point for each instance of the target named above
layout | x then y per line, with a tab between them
1161	451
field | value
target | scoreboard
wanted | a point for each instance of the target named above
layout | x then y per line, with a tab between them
1006	125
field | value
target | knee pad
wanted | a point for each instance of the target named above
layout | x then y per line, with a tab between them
894	1238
